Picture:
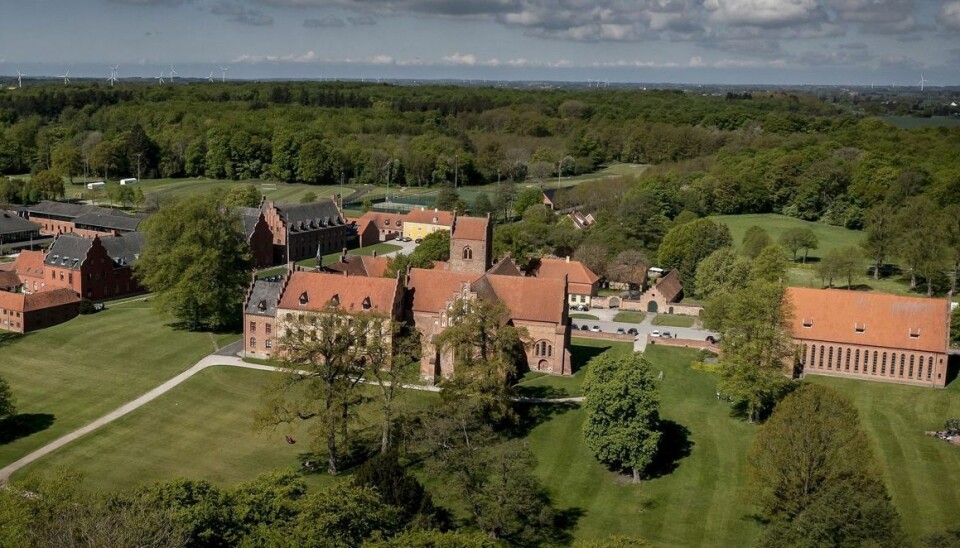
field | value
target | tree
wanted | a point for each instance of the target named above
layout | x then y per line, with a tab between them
722	270
244	196
881	236
436	539
434	247
7	403
628	266
806	483
308	197
593	256
528	197
686	245
327	353
138	197
196	261
48	184
400	489
922	241
66	161
951	216
482	205
753	323
795	239
622	425
770	264
839	263
339	516
447	198
390	372
955	327
754	240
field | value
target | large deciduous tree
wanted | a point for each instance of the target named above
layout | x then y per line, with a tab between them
722	270
799	238
244	196
686	245
622	425
881	236
7	403
754	240
922	241
197	261
813	475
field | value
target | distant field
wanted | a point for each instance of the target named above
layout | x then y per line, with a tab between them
911	122
65	376
830	237
280	192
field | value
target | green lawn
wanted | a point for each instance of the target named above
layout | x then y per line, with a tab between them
922	473
673	320
541	385
699	503
630	317
381	249
277	191
582	316
830	237
66	376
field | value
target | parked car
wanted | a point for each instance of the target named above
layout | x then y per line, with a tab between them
418	240
666	335
582	308
574	326
595	329
713	340
621	331
632	331
584	328
655	333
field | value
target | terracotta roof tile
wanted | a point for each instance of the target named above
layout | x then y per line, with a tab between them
12	301
359	265
354	293
29	263
470	228
834	315
47	299
575	271
531	299
432	289
427	216
8	278
383	221
669	285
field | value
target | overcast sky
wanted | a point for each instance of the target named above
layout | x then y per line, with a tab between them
687	41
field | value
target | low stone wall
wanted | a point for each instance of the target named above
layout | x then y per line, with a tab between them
601	336
684	343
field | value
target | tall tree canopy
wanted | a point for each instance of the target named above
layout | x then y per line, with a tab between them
196	261
7	403
686	245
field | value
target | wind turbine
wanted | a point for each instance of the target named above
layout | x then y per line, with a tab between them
19	79
922	82
66	77
113	76
173	73
159	78
223	73
210	78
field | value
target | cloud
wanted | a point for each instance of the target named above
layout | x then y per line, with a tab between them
307	57
765	13
949	15
362	20
168	3
240	14
326	22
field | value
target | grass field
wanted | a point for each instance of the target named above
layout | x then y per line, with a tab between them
630	317
830	237
277	191
381	248
922	473
673	320
582	316
66	376
541	385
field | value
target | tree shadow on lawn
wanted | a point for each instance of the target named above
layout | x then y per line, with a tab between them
531	415
675	445
541	391
24	425
8	337
580	356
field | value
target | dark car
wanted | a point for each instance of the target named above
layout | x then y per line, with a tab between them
584	328
621	331
666	335
713	340
633	331
418	240
574	326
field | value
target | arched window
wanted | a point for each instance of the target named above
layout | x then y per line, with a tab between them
543	349
846	364
830	358
903	359
820	362
910	371
929	367
856	361
253	342
803	354
883	364
873	368
893	364
467	253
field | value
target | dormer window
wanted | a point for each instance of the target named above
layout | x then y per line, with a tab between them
303	298
367	304
807	323
335	300
262	305
859	328
914	333
435	219
386	222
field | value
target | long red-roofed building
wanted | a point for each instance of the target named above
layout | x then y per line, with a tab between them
874	336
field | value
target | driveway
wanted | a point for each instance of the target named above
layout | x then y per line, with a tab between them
607	325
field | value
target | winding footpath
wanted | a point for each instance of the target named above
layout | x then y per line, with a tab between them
224	357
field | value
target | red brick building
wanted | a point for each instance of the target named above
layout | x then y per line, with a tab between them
29	268
63	217
303	231
258	235
23	313
374	227
873	336
95	268
582	283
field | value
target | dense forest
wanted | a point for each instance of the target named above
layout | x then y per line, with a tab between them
736	153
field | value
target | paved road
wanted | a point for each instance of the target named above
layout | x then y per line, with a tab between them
607	325
226	356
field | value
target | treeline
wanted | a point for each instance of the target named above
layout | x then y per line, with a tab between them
381	134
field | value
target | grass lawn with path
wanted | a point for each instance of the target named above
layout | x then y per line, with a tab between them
542	385
673	320
66	376
630	317
273	190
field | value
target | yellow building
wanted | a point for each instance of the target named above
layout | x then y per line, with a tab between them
420	223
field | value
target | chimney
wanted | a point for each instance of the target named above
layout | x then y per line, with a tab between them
568	258
343	255
374	252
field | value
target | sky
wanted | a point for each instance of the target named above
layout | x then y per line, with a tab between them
786	42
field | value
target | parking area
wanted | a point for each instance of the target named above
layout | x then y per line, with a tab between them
606	324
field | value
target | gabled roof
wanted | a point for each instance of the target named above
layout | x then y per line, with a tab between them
834	315
432	289
110	221
430	217
11	223
263	297
124	249
12	301
530	299
250	216
47	299
575	271
470	228
65	209
669	285
549	193
9	278
312	216
315	291
69	251
359	265
29	263
505	267
383	221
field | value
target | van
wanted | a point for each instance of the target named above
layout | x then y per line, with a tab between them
96	186
130	181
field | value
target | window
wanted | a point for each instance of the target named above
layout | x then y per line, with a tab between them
253	342
304	299
910	371
808	323
914	334
903	359
856	361
467	253
929	367
813	355
820	363
873	369
269	343
883	364
253	327
846	364
893	364
366	303
803	354
543	349
830	358
268	329
859	328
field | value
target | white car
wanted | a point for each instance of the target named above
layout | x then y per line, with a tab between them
655	333
595	329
